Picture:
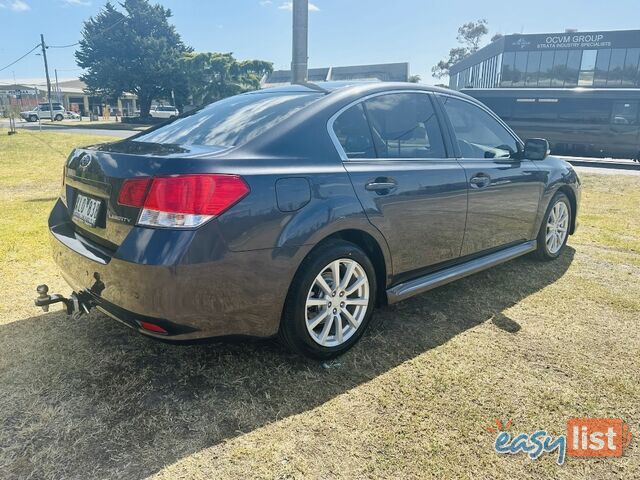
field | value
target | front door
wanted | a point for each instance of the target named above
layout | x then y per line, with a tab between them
395	155
504	189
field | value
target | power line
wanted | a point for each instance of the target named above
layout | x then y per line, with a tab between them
23	56
63	46
98	34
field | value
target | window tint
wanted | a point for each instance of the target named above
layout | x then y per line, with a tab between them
630	74
616	67
508	69
546	69
625	113
602	68
479	135
559	68
520	69
573	68
585	110
533	68
230	122
404	125
353	132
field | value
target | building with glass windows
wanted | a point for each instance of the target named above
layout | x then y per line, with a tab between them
553	60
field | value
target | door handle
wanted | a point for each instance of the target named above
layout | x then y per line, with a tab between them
480	181
382	186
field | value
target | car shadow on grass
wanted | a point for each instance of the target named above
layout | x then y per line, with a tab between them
90	398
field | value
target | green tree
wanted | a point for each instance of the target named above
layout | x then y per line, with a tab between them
414	78
135	50
470	36
212	76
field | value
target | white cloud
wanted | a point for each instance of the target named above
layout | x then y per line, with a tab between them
15	5
289	6
76	3
266	3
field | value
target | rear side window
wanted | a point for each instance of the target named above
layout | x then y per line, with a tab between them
353	133
231	122
479	135
404	125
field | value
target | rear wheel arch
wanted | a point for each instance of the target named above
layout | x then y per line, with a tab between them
375	253
368	243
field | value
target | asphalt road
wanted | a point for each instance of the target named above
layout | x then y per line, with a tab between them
34	127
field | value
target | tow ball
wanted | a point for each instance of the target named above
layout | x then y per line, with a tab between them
77	304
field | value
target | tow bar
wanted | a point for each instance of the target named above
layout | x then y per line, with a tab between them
79	303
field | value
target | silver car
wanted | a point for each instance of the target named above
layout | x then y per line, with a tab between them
42	111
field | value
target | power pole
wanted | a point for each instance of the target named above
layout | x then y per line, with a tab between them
46	71
300	56
58	93
15	85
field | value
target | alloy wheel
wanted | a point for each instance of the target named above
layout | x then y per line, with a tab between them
337	302
557	227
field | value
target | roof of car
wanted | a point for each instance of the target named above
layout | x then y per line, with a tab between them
363	86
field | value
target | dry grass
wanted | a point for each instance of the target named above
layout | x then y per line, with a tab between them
532	342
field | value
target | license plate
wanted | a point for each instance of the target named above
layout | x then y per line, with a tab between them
87	209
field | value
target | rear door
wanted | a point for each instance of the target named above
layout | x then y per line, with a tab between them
394	152
504	188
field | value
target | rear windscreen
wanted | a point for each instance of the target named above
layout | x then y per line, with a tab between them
231	122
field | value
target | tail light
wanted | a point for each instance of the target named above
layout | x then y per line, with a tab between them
134	191
152	327
182	201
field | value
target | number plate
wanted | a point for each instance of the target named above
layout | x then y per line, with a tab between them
87	209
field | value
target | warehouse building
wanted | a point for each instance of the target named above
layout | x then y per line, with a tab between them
608	59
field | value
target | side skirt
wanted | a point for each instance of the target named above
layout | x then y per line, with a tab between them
423	284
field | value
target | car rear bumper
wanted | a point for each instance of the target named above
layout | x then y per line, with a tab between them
235	293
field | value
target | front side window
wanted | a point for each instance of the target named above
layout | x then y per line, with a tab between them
404	125
231	122
479	135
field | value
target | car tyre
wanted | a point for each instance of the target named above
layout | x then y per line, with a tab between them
555	228
344	330
33	118
58	118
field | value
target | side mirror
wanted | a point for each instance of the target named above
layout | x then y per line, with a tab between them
536	149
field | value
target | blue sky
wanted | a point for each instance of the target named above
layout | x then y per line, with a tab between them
342	32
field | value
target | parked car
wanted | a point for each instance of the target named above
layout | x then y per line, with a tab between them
42	112
166	111
295	211
72	115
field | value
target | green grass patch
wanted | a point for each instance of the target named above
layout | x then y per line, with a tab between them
535	343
